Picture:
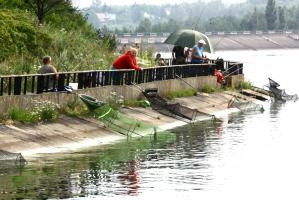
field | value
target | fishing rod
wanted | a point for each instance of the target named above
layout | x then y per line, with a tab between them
185	82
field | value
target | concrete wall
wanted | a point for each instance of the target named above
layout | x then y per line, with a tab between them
103	93
234	81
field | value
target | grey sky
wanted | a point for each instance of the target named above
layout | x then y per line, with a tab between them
85	3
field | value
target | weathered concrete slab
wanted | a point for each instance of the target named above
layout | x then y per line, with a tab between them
64	134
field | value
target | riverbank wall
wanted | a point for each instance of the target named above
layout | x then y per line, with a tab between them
69	134
129	92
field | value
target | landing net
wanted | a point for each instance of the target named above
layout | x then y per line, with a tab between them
121	123
244	106
280	94
13	157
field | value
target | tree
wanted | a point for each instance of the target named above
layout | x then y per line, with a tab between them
271	15
145	26
106	38
254	20
42	8
282	18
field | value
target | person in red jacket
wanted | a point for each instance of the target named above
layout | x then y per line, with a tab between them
127	60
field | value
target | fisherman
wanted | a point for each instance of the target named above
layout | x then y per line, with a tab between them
127	60
197	53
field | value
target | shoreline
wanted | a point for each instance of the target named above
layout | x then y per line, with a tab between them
73	134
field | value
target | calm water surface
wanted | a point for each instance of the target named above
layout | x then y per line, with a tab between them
246	156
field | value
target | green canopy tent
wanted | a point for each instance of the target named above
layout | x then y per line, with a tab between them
189	38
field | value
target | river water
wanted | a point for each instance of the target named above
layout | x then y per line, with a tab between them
244	156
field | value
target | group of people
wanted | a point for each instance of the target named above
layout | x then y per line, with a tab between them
128	60
181	55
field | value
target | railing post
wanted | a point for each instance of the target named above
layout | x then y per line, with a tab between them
80	80
93	79
117	77
25	85
108	77
17	85
32	84
40	84
2	87
9	86
53	80
129	77
140	76
68	79
61	80
98	81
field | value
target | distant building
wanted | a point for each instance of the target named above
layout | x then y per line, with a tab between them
106	17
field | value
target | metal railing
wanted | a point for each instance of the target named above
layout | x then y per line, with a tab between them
40	83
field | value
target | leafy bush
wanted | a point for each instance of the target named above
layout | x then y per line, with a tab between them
67	38
19	35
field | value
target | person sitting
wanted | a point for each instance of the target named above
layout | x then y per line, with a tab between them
178	55
159	61
188	54
46	68
197	53
127	60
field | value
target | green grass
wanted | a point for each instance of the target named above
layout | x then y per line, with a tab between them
181	93
41	111
137	103
244	85
21	115
207	89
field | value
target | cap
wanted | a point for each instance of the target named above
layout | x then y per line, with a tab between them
201	41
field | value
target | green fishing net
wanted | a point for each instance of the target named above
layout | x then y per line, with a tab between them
121	123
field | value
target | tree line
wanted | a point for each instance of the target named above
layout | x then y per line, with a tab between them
204	16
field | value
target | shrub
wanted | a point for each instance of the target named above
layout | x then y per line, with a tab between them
244	85
207	89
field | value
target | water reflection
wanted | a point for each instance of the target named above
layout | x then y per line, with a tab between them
194	158
131	178
275	108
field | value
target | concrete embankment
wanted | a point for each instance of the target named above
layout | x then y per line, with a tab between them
69	134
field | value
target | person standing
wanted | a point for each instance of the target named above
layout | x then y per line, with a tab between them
127	60
197	53
178	55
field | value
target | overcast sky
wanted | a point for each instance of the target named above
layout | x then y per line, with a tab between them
86	3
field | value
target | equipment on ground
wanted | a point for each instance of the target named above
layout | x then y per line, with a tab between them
279	94
244	105
171	109
15	158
